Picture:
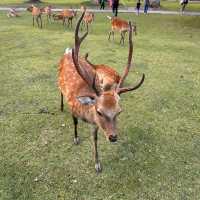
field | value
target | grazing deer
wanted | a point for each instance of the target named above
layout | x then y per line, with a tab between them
121	26
92	91
88	19
58	16
12	13
36	13
69	15
65	14
48	11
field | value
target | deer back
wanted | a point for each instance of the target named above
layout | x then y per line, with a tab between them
119	24
88	17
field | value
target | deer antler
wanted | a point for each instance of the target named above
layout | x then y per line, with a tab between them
121	90
86	59
89	77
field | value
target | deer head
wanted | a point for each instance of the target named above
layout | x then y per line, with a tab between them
30	8
105	104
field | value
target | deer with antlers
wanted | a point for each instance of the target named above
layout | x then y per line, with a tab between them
121	26
93	91
36	13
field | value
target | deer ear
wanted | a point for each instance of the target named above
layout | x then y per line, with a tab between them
86	100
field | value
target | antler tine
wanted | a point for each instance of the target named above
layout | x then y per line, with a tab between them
88	76
121	90
78	40
86	59
126	71
127	89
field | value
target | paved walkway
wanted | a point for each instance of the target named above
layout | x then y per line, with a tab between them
128	10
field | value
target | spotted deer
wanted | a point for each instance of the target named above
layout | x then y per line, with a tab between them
93	91
121	26
36	13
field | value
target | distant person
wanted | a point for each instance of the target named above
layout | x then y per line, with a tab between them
146	6
110	3
115	5
138	4
183	4
102	4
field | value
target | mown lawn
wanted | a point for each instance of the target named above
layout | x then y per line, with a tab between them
165	4
157	156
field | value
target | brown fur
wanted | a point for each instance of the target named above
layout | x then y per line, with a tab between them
121	26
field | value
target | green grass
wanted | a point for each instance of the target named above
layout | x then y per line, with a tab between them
165	5
157	156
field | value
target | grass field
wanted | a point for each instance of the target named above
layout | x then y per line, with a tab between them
157	156
165	5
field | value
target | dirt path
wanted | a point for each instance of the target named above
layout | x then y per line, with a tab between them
128	10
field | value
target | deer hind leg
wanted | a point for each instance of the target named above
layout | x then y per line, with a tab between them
71	22
113	35
47	18
122	38
68	22
82	25
33	20
40	21
87	27
63	21
109	35
98	167
50	18
61	103
37	20
76	138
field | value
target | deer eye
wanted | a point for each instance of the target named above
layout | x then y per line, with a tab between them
99	113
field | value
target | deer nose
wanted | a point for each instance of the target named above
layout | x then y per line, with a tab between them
112	138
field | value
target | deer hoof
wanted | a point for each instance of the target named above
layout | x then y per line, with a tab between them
76	140
98	167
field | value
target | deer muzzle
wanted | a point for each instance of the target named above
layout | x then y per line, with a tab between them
112	138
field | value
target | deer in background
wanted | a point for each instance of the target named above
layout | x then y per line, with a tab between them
69	15
88	17
93	91
66	14
13	13
121	26
48	11
36	13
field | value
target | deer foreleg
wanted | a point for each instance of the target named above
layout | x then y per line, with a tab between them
96	157
76	138
40	21
61	103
